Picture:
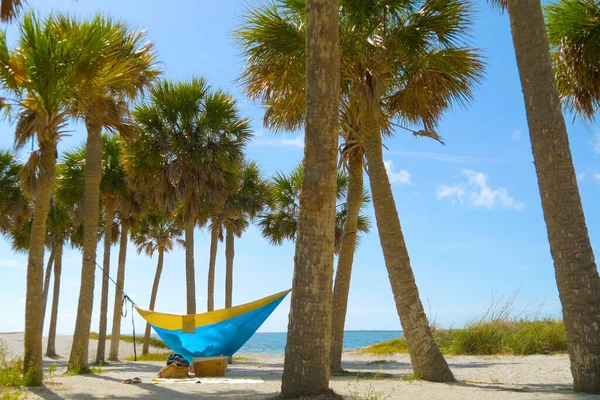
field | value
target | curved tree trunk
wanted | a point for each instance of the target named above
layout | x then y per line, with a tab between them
229	254
306	364
47	276
346	258
115	338
159	267
214	243
109	211
51	347
190	278
79	358
576	271
427	359
34	324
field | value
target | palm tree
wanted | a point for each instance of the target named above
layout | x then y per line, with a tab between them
401	59
280	222
306	366
576	271
14	205
9	9
37	74
60	230
121	63
128	210
574	36
156	232
187	154
242	205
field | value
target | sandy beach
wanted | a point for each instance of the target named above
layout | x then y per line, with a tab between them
491	377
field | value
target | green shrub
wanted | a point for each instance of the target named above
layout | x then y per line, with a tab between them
11	370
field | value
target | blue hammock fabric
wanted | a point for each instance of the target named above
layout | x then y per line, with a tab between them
216	333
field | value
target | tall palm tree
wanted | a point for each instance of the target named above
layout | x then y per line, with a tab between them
113	188
187	154
402	59
280	221
128	210
306	365
574	36
114	192
576	271
121	63
37	74
156	232
242	205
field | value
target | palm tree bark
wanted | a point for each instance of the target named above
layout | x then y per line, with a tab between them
113	355
190	278
34	324
47	277
576	271
346	258
307	352
427	359
51	347
159	268
214	243
109	211
79	359
229	255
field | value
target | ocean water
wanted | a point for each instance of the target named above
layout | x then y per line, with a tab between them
274	343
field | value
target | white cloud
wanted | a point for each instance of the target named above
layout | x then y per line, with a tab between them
580	177
401	177
516	135
296	142
480	194
597	177
21	300
455	193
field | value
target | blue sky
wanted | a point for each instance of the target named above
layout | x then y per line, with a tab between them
470	210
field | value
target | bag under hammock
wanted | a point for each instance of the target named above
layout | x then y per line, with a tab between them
215	333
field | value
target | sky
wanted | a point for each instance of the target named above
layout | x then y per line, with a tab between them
470	210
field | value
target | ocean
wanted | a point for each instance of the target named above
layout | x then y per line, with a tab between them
274	343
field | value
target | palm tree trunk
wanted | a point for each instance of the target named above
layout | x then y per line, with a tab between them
576	271
51	348
159	267
34	323
113	355
109	211
307	352
214	242
229	255
346	258
190	278
427	359
47	276
79	359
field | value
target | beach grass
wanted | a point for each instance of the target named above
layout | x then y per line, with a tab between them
162	356
154	342
11	370
499	336
362	374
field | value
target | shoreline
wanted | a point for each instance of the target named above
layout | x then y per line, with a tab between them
258	376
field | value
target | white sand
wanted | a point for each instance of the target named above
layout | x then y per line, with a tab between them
506	377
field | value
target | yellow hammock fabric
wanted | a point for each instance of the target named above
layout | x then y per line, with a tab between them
215	333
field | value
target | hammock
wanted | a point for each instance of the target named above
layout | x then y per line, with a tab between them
215	333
